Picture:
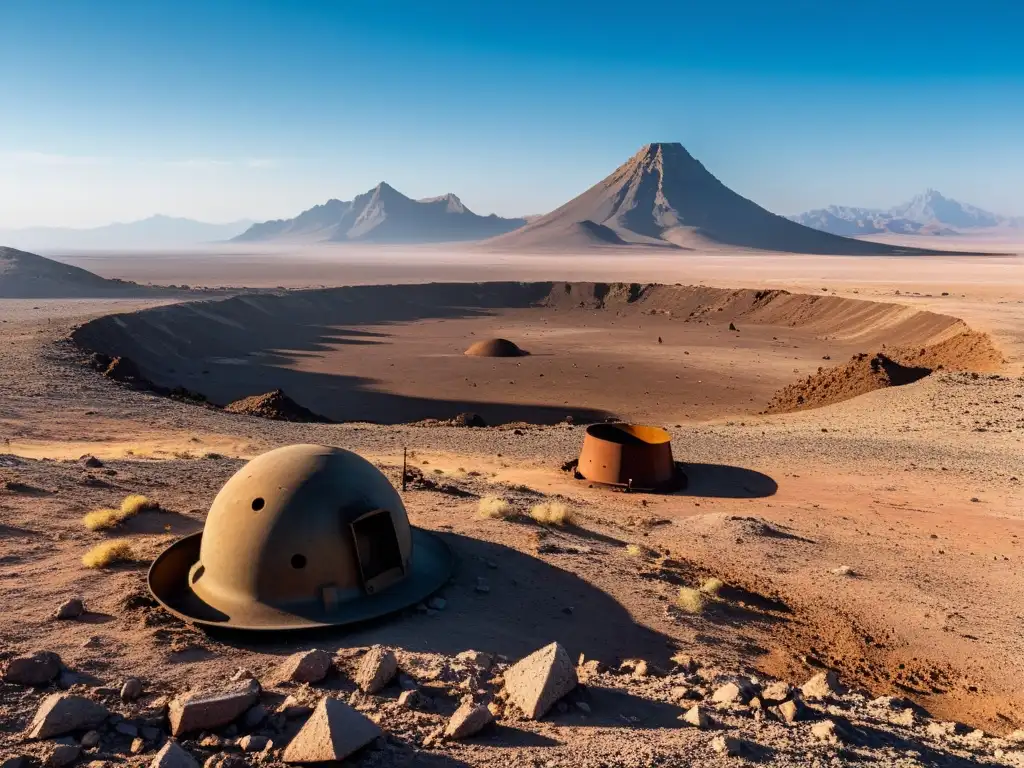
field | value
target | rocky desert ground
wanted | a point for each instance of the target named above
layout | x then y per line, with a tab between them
837	585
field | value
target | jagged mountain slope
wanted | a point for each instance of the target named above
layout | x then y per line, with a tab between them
383	215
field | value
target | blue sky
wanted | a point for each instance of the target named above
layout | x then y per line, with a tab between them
221	110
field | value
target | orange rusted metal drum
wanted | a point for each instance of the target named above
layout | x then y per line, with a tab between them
630	456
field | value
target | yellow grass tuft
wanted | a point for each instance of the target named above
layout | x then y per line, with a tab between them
551	513
102	519
634	550
494	508
108	553
691	600
135	503
712	586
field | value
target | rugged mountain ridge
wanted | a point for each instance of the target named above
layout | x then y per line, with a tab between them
383	215
929	213
664	197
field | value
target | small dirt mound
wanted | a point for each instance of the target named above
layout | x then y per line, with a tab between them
864	373
275	405
494	348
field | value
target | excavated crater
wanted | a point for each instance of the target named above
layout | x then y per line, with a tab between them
642	353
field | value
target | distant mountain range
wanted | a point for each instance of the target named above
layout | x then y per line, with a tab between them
383	215
930	213
664	197
153	233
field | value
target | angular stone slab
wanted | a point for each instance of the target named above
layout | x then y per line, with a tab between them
333	732
537	681
62	713
211	708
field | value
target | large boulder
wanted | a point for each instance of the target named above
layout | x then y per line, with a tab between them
305	667
376	670
62	713
468	719
211	708
36	669
537	681
173	755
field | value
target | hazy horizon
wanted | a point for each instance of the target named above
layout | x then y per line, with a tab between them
224	111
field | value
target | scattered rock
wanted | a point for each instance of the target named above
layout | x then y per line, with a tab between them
732	693
482	586
305	667
826	731
777	692
90	739
685	663
173	755
333	732
225	760
697	716
127	729
90	462
478	659
293	709
822	686
138	746
255	716
437	603
34	669
727	745
62	753
132	689
843	570
61	713
376	670
212	708
789	711
583	707
253	743
70	609
411	699
536	682
468	719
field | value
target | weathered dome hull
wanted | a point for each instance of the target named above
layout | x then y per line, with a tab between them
302	536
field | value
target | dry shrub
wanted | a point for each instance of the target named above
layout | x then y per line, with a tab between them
102	519
135	503
691	600
712	586
108	553
551	513
494	508
634	550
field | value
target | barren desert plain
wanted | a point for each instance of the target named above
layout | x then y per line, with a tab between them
874	531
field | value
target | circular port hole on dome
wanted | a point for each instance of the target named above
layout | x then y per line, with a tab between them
258	504
298	561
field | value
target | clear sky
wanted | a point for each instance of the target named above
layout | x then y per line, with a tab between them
220	110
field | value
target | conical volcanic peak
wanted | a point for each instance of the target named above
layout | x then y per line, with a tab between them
663	196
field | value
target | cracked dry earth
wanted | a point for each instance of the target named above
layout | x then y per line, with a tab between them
879	537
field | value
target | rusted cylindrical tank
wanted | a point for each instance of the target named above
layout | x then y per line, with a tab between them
628	455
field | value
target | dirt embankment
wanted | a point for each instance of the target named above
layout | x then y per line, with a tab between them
912	343
901	344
